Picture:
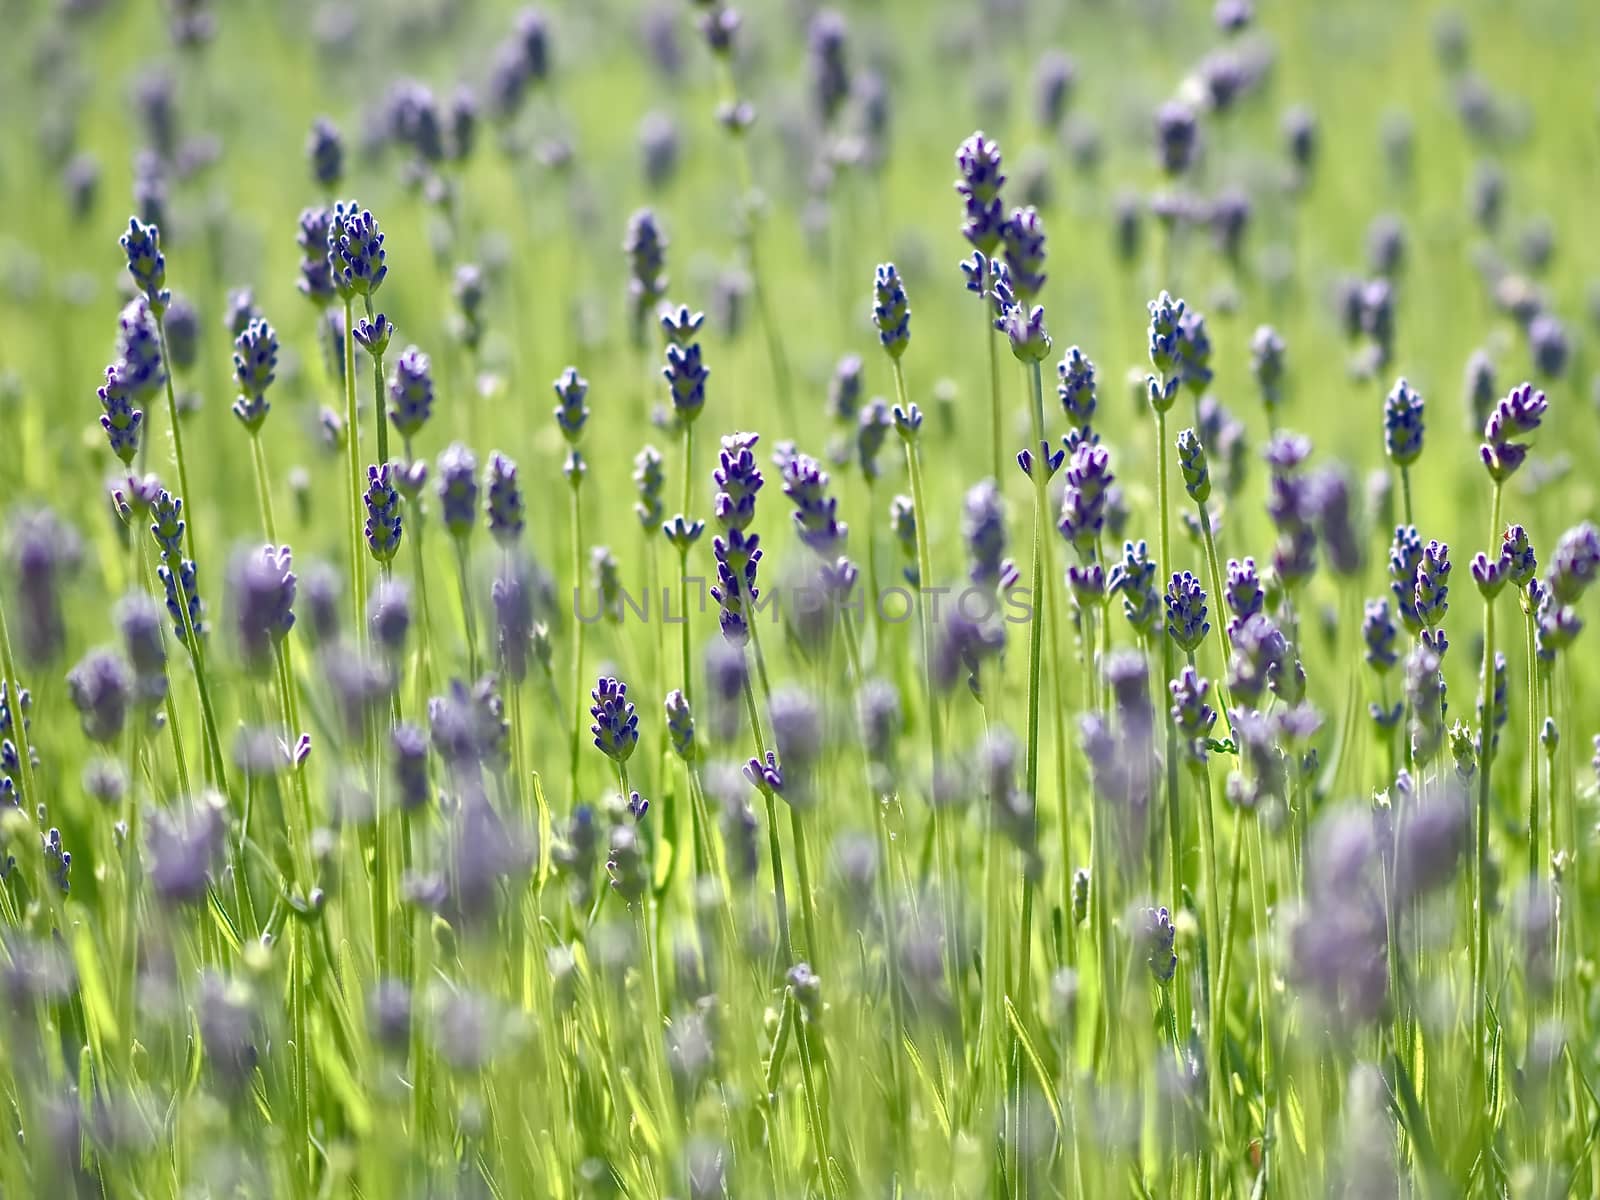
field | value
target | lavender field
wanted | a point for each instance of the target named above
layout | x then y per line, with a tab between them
735	598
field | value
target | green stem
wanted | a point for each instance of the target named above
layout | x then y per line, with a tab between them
774	849
996	423
1531	639
576	740
1214	564
683	564
177	432
377	398
352	441
1167	663
1258	908
263	487
813	946
935	734
1480	955
1041	587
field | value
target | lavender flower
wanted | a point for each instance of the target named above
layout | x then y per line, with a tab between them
1425	695
139	622
984	531
1053	79
1083	505
844	390
1166	351
607	581
1025	330
737	556
1267	351
1077	387
571	412
503	504
325	153
1177	137
815	516
355	251
616	723
890	311
1186	612
1243	592
255	359
871	431
139	363
1516	551
645	245
1379	633
1549	346
1260	653
146	264
383	513
978	159
263	590
1023	234
1190	712
1194	349
1135	579
738	480
1517	416
827	64
1402	424
101	688
183	334
1575	564
1156	940
1405	559
410	392
1432	595
316	273
649	482
1192	462
903	525
458	489
680	725
121	421
963	645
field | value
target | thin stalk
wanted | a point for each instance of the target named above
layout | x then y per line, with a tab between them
802	868
263	487
1214	565
1530	638
352	442
1041	508
996	430
377	398
19	723
1216	1013
1258	907
177	431
576	740
935	734
469	617
780	899
1166	660
683	561
1480	955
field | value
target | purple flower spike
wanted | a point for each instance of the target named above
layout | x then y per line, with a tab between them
1186	612
616	724
1516	416
765	775
383	513
1083	506
978	159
